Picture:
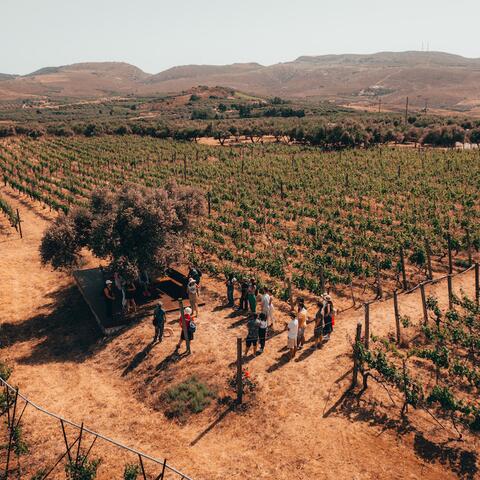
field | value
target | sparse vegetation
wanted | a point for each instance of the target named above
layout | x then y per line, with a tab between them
189	397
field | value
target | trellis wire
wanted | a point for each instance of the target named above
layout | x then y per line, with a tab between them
27	401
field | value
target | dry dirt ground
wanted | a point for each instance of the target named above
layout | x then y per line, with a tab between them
296	427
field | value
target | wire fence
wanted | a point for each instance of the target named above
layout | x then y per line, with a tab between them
14	405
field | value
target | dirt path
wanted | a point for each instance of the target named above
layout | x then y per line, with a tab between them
297	429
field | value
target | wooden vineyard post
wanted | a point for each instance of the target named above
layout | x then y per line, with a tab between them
356	365
196	155
209	200
290	293
397	315
322	280
450	292
402	266
19	223
367	326
477	282
450	263
184	325
469	248
242	161
11	429
352	293
239	372
379	281
429	260
424	304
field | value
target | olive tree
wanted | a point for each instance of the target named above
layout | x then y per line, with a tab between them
134	228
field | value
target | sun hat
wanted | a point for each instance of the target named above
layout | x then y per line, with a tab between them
328	297
108	282
188	311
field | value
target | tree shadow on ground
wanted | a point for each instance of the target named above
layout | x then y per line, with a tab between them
460	461
67	333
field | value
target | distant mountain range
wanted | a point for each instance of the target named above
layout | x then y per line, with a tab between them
440	80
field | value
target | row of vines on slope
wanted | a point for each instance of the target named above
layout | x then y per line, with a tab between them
323	218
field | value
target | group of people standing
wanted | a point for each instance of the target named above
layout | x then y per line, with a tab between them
259	323
323	326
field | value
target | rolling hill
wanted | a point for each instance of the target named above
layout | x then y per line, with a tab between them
442	80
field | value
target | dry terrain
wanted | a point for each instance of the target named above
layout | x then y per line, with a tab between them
445	82
298	425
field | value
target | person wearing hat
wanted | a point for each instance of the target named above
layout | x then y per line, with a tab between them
109	296
193	293
328	317
159	317
187	314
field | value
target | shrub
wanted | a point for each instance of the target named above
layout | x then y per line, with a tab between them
131	472
5	371
191	396
83	469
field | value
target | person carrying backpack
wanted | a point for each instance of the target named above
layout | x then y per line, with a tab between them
252	335
159	317
262	331
189	323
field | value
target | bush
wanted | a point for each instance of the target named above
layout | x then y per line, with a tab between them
5	371
131	472
83	469
191	396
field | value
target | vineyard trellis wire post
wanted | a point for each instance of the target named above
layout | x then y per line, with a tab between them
477	282
367	325
424	303
184	324
450	291
450	260
469	247
429	260
10	427
19	223
397	315
356	364
402	267
239	381
76	460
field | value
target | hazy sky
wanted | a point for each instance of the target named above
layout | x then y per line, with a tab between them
158	34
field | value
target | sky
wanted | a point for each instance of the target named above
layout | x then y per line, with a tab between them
158	34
